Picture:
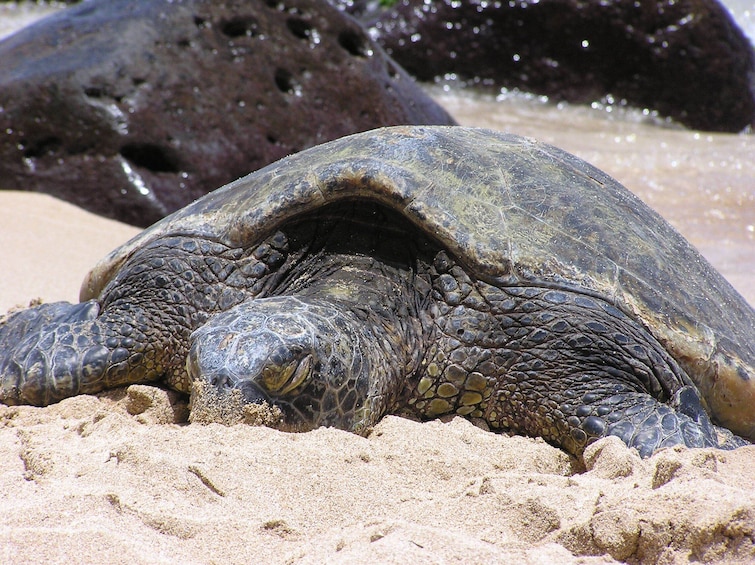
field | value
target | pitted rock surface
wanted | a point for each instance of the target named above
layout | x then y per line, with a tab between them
132	110
645	54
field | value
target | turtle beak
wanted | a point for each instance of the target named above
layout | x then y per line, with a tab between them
223	382
252	393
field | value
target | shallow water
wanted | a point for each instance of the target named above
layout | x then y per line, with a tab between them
704	184
743	12
15	15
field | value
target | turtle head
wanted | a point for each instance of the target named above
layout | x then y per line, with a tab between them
308	360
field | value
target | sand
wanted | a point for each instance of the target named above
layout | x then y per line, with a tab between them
47	246
110	480
121	478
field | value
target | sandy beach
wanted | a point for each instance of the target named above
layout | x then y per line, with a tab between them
110	479
122	478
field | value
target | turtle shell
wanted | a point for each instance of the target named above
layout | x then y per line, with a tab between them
512	211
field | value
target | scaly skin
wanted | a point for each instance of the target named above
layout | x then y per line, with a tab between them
436	270
340	338
343	350
320	362
139	330
555	363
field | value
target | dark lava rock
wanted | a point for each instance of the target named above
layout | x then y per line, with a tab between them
134	109
687	59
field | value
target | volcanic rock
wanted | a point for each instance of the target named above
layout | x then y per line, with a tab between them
685	59
134	109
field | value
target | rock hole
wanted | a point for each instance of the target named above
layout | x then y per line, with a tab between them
45	146
285	82
240	26
392	70
200	22
151	157
354	42
271	139
299	27
94	92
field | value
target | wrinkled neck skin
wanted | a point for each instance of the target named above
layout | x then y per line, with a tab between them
384	309
373	269
332	341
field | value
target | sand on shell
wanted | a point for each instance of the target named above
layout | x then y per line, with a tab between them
122	478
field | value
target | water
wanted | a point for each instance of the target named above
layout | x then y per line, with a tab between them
704	184
743	12
15	15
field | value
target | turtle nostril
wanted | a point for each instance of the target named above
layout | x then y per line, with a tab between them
220	380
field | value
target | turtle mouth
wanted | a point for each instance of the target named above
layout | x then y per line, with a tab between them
288	417
253	393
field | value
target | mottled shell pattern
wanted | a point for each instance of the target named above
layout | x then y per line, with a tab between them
510	209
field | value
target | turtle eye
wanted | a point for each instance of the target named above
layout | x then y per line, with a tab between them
282	380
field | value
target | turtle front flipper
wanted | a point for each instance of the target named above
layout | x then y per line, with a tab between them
57	350
137	330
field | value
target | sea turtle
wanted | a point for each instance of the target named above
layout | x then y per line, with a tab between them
415	270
